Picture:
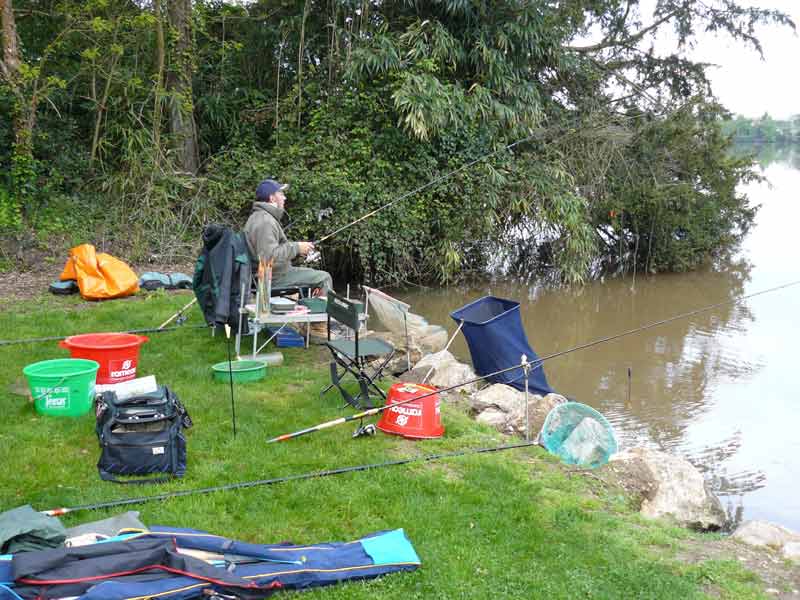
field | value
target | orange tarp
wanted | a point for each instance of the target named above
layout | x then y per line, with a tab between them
99	276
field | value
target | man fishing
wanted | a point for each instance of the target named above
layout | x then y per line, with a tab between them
267	241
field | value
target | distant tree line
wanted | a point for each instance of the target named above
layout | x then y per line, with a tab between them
132	123
763	130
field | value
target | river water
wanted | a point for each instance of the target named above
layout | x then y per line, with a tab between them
721	388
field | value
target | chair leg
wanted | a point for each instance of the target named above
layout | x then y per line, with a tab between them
378	374
363	383
336	381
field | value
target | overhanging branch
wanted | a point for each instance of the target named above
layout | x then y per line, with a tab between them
628	40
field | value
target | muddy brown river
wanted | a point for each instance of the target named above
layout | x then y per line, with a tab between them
721	388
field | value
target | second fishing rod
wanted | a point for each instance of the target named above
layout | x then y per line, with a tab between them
526	367
425	186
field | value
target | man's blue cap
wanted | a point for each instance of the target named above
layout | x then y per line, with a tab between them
268	187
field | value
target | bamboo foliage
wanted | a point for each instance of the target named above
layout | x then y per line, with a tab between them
152	101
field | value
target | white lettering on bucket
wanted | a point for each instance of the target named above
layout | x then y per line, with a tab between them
51	399
122	373
405	410
121	368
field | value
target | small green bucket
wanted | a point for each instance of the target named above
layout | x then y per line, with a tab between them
242	371
62	387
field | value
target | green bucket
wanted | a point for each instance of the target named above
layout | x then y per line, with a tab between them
62	387
242	371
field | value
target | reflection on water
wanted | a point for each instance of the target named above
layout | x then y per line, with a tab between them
768	154
717	387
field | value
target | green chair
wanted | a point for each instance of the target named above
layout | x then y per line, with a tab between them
352	355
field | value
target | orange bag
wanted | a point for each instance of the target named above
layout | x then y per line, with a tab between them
99	276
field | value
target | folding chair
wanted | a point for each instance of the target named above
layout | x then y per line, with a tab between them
352	355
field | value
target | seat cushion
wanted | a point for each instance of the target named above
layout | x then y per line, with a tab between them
369	347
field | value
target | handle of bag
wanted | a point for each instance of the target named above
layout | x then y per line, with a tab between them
151	418
139	400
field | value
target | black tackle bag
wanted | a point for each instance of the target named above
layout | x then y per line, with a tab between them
141	436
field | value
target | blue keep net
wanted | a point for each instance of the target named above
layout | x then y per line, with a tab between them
497	341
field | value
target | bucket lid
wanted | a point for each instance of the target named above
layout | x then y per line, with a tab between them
104	341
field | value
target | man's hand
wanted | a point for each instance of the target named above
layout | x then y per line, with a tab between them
305	247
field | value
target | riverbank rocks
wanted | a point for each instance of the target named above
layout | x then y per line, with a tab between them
407	355
445	372
667	486
503	407
762	533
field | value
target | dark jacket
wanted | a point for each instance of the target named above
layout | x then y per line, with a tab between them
222	268
266	239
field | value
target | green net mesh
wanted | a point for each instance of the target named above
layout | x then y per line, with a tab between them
579	435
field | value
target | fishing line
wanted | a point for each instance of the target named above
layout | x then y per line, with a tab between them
425	186
426	458
63	337
531	365
669	320
297	477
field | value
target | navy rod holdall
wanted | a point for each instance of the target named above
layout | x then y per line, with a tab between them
141	436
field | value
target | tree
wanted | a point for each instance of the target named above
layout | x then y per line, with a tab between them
612	147
179	85
11	66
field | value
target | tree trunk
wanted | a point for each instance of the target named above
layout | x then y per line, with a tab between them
159	83
179	86
300	51
10	47
24	112
100	109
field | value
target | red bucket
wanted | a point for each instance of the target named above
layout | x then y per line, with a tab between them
419	419
117	353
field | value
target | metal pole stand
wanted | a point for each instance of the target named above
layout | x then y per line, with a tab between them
526	369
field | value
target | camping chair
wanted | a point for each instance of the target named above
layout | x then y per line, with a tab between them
352	355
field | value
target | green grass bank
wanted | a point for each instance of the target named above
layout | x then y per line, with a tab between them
515	524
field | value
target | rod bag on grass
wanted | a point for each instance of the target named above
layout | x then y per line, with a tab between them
154	564
141	436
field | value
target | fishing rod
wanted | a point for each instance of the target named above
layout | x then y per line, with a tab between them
379	409
425	186
366	467
178	315
55	512
525	365
63	337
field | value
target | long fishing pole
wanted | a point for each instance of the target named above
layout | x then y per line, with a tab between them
63	337
365	467
425	186
379	409
298	477
530	365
